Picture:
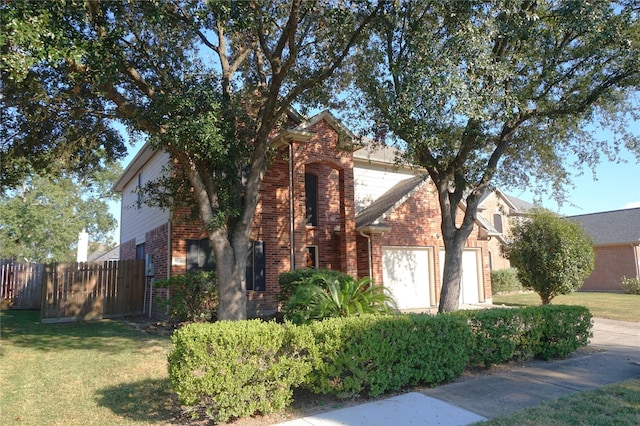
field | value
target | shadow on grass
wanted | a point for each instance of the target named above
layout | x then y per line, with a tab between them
23	328
148	400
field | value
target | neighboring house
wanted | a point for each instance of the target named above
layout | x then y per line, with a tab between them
616	242
325	203
102	255
501	210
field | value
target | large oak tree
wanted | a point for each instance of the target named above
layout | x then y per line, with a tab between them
208	81
499	93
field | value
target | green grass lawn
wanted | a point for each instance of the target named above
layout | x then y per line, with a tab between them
615	306
617	404
98	373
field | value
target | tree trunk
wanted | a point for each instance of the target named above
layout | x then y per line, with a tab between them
455	238
230	271
451	276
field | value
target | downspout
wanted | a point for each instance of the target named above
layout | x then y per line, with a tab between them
292	257
370	258
168	262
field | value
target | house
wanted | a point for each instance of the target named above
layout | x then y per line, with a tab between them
616	242
501	210
324	202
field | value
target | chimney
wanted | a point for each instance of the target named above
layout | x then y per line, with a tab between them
83	246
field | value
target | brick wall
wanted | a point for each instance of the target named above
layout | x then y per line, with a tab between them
416	223
128	250
612	263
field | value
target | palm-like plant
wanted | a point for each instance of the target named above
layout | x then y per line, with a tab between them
325	298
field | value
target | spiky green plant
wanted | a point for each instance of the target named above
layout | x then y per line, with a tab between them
324	298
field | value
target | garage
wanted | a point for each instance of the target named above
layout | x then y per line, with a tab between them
406	272
470	290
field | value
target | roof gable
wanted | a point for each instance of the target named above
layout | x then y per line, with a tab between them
388	201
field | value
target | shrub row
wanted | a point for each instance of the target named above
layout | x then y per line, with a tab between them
236	369
505	281
551	331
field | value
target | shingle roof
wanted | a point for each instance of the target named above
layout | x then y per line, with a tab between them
374	212
613	227
520	205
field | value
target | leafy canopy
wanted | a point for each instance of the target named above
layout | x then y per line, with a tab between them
551	254
40	221
499	94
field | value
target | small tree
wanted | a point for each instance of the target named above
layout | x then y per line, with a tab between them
552	255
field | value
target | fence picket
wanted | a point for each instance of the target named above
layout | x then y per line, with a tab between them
74	291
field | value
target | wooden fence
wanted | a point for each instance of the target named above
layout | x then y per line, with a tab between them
85	290
21	284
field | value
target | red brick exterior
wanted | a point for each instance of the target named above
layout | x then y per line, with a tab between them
415	223
612	263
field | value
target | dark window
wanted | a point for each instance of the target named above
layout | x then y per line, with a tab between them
497	222
140	251
311	193
200	258
256	279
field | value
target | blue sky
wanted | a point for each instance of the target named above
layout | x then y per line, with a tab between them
617	187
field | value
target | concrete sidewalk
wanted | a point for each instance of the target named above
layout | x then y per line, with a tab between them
614	356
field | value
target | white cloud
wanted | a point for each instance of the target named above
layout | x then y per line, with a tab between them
632	205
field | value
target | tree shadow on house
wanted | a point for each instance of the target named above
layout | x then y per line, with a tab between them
150	401
23	328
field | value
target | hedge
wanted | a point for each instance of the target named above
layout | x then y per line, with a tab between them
372	355
236	369
551	331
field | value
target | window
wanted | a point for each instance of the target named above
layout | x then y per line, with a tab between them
311	194
312	256
497	222
140	251
256	279
139	189
200	258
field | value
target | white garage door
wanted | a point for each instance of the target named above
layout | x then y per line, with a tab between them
469	293
405	273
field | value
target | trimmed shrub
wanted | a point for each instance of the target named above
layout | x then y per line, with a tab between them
505	281
192	297
553	255
550	331
564	329
372	355
630	285
237	369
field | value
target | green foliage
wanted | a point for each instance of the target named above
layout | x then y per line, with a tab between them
326	298
208	82
504	281
237	369
500	335
552	254
40	220
499	94
192	297
291	280
630	285
370	355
